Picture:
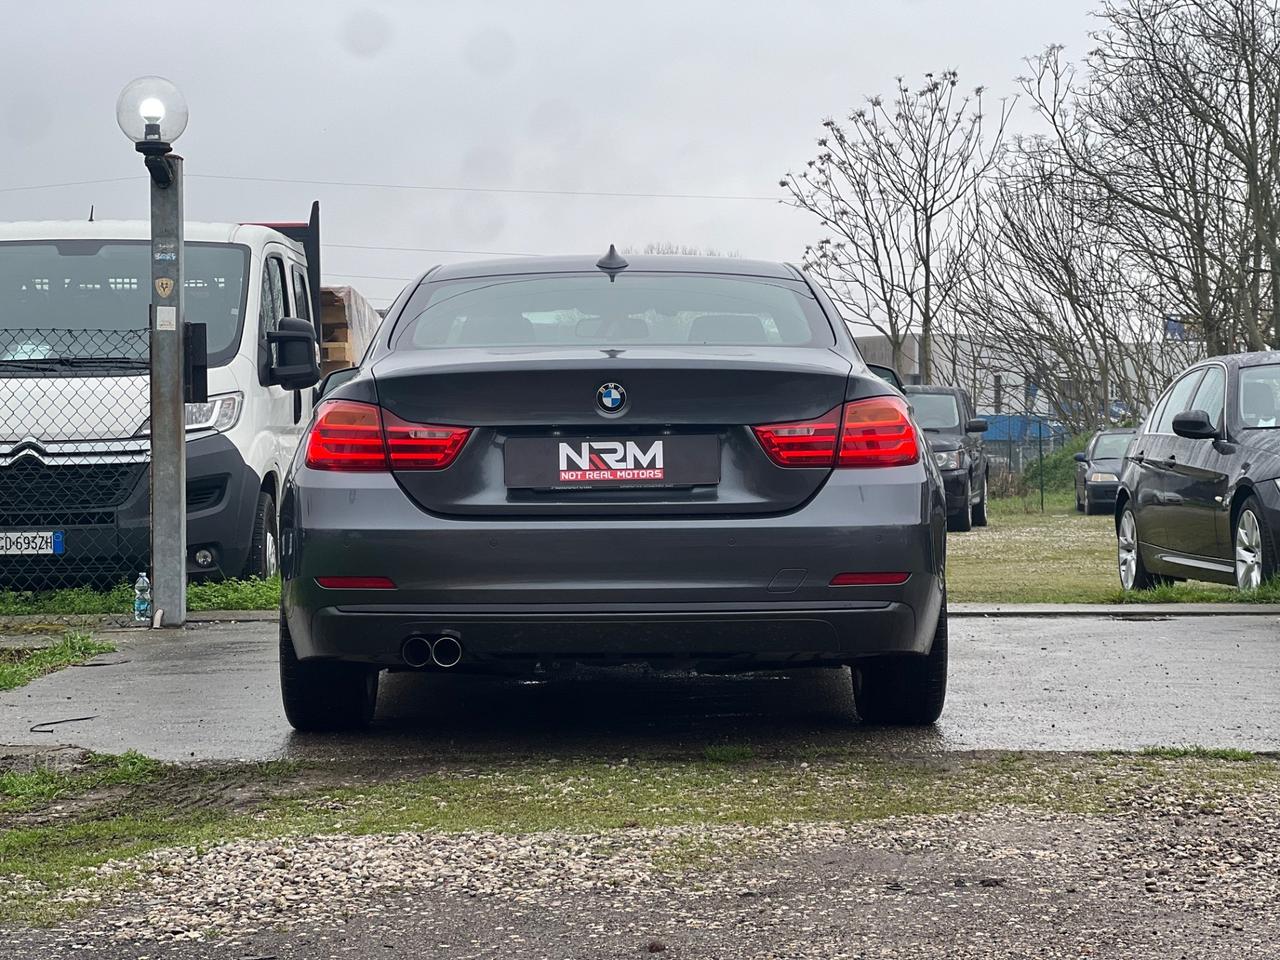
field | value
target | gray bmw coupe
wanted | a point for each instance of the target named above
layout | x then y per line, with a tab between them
680	461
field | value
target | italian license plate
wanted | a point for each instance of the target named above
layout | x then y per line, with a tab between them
27	543
550	463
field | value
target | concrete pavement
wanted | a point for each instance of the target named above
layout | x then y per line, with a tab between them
1082	683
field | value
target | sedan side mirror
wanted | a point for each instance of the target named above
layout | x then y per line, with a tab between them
296	365
1194	425
976	425
1080	458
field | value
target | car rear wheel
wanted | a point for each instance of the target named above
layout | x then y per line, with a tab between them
323	694
904	690
1255	547
961	520
1133	572
979	513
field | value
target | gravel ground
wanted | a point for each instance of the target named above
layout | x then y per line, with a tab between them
1192	877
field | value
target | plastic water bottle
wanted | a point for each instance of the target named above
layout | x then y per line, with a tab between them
142	599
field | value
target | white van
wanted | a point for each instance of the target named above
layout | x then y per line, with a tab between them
74	396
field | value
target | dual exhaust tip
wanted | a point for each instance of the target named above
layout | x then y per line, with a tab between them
443	651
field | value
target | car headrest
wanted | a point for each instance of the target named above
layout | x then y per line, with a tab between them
496	330
1259	402
730	328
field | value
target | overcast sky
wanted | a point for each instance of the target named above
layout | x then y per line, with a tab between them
715	97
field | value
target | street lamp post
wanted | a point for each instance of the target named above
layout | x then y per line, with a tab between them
152	113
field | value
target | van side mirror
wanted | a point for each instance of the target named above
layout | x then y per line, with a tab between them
335	379
1080	458
1194	425
976	425
296	364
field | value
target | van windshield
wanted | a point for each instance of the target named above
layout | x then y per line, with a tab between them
936	411
87	301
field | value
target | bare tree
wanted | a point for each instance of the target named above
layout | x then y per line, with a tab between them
1177	120
666	248
890	187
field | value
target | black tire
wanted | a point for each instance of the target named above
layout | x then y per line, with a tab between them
962	519
264	541
1143	579
324	695
979	513
1264	545
1080	507
904	689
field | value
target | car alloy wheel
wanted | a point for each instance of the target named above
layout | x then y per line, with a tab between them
271	555
1248	551
1127	550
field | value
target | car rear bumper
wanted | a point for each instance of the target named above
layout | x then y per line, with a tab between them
703	634
664	589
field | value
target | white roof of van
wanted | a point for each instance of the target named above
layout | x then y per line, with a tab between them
248	233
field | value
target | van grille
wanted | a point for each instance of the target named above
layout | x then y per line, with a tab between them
29	486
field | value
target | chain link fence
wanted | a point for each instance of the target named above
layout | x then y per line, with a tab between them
74	450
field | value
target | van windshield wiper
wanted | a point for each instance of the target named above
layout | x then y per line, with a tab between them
74	363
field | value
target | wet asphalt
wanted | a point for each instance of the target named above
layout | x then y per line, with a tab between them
209	692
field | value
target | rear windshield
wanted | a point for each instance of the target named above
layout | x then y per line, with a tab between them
1111	446
589	310
936	411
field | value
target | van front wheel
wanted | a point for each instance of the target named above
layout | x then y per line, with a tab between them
264	543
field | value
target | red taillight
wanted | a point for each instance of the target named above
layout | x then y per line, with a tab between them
346	435
863	433
868	579
356	583
877	433
349	435
421	446
802	443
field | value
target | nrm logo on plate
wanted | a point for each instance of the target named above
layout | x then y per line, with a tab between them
610	460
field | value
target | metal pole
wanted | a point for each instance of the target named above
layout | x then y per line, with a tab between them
1040	448
168	413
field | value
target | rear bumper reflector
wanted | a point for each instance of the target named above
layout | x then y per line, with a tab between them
868	579
356	583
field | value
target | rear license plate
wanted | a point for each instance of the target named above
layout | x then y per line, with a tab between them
27	543
546	463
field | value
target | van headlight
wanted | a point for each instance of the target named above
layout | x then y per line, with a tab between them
949	459
1103	478
218	415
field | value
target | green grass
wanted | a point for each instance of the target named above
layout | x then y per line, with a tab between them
151	807
729	753
224	595
1210	753
21	666
28	790
1059	556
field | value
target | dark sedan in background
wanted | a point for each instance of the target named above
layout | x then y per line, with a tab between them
955	434
1098	470
1199	493
674	461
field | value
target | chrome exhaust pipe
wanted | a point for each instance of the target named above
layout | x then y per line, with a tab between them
446	651
416	651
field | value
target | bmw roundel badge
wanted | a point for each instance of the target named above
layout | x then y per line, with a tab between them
611	398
